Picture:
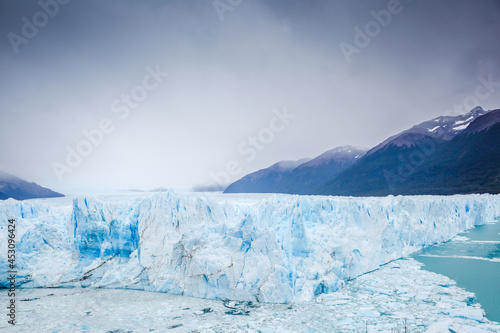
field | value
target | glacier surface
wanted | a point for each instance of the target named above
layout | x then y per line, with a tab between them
267	248
398	297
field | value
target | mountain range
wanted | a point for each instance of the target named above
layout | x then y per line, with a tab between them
19	189
445	155
298	177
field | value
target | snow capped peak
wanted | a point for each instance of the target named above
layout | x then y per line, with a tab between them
348	149
443	128
477	109
338	153
455	124
288	165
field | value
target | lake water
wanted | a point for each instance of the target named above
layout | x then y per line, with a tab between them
473	260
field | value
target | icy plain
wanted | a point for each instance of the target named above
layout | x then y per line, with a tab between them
265	248
397	296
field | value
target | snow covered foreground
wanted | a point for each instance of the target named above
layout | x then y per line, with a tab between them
267	248
399	297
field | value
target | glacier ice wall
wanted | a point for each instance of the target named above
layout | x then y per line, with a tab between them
269	248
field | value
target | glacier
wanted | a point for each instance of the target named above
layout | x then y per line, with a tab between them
397	297
266	248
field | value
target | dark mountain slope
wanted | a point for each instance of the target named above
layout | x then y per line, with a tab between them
300	178
265	180
306	178
19	189
441	128
468	163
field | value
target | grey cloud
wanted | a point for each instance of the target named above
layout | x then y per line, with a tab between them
225	80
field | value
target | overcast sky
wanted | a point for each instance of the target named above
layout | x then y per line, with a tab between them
231	69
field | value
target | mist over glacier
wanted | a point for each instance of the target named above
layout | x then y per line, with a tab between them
268	248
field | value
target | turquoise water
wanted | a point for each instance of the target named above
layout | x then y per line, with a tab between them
474	263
